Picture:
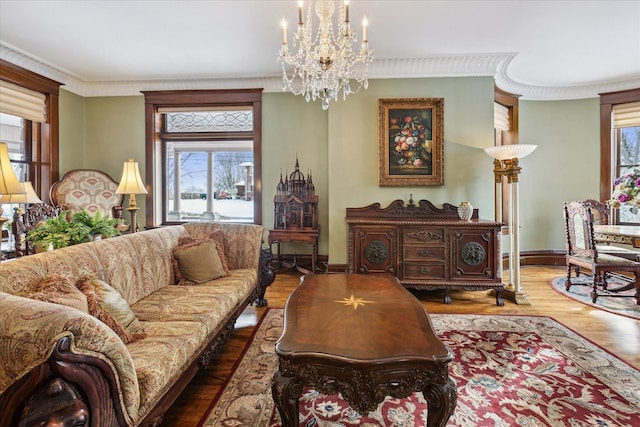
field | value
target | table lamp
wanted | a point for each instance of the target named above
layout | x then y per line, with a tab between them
29	196
131	184
9	183
507	164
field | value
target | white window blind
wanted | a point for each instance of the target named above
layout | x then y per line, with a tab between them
626	115
19	101
501	117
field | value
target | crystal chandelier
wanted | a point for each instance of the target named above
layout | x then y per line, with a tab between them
324	65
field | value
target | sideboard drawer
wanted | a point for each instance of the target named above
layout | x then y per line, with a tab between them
423	235
423	253
423	271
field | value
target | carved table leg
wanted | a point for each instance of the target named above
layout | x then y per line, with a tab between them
499	300
441	400
286	393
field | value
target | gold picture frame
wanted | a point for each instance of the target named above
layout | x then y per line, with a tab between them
411	141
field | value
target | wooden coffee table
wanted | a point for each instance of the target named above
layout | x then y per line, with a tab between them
364	336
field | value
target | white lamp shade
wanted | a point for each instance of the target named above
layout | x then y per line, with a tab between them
9	183
29	196
131	182
506	152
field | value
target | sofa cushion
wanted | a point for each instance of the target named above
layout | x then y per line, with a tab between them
106	304
207	303
59	290
243	242
217	236
198	262
163	356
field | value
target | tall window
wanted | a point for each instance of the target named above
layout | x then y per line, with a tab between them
505	132
620	144
204	156
29	125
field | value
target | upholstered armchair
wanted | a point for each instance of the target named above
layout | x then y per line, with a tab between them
88	189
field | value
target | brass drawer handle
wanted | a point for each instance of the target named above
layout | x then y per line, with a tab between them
424	252
424	270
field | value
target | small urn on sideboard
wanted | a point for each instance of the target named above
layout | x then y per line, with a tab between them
465	211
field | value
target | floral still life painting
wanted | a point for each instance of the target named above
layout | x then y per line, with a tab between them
411	137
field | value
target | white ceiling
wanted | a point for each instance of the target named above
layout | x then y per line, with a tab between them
540	49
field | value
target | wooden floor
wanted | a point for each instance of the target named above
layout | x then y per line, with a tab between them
619	335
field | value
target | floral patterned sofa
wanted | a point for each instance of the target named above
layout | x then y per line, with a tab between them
59	361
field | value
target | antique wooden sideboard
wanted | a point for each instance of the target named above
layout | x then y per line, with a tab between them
426	247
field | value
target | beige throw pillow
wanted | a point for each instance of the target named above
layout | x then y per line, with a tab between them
198	262
59	290
218	238
111	308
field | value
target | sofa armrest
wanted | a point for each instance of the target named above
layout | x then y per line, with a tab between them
40	341
266	277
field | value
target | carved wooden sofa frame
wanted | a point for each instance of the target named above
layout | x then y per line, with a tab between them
92	382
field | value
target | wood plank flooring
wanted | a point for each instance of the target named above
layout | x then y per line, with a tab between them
619	335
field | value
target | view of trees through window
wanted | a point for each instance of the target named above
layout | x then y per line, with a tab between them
219	192
209	166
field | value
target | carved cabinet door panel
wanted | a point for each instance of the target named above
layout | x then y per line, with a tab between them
375	249
473	252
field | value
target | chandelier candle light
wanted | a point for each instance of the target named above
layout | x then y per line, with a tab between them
324	65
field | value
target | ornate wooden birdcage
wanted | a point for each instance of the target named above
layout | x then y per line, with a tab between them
295	202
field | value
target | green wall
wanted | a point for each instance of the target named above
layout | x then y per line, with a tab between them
72	131
353	150
102	133
292	127
564	167
340	149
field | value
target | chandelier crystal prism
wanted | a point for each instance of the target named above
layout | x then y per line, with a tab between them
324	65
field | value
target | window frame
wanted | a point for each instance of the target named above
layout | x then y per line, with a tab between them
154	175
42	139
608	162
511	103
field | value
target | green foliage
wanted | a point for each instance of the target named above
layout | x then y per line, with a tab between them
59	232
53	232
97	224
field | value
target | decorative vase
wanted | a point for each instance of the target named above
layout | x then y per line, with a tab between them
465	211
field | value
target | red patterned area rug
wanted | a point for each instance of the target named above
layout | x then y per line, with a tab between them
580	291
509	371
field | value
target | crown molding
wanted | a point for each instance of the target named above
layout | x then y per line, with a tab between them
557	93
488	64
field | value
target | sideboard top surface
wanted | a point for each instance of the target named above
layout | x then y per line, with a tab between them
423	213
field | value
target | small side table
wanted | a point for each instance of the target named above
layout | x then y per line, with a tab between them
308	236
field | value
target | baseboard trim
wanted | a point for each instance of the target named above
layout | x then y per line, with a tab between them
527	258
543	257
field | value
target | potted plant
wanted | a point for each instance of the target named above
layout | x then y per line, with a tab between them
97	224
54	233
58	232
